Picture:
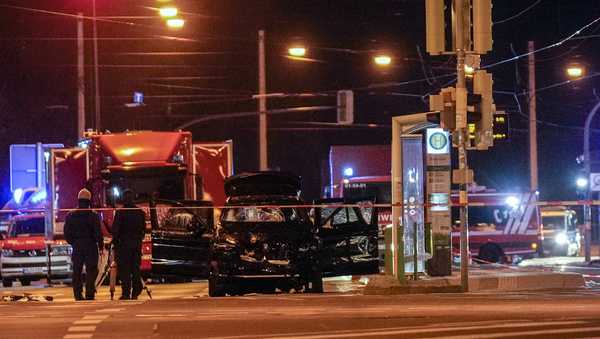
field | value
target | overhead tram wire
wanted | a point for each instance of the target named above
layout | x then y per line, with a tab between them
518	14
556	44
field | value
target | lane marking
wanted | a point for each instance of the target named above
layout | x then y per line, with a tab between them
88	322
81	329
574	330
94	317
109	310
78	336
401	330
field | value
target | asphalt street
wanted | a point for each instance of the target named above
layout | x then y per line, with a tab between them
185	311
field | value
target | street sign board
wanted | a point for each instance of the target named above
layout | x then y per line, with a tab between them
595	182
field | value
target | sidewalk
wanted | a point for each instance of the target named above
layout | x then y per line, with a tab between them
502	280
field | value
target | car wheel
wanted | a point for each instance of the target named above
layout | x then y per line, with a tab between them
25	282
490	253
215	287
7	283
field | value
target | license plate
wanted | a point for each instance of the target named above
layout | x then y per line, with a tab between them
30	270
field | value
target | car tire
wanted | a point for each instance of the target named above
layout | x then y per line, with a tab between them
25	282
7	283
215	287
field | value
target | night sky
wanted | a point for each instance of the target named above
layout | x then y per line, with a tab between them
218	74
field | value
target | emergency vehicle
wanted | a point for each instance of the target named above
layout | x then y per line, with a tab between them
560	235
163	168
503	227
27	255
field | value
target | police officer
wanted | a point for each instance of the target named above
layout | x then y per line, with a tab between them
82	232
128	232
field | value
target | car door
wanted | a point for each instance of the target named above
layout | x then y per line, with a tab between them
348	236
180	238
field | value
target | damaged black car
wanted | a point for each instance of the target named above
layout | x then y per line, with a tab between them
268	239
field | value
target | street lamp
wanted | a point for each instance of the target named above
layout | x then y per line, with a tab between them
581	182
168	12
575	71
382	60
175	23
297	51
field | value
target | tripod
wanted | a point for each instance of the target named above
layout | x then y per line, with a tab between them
110	270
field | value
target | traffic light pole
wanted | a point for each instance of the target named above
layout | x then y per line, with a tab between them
462	44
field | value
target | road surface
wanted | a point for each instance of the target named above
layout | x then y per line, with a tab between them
185	311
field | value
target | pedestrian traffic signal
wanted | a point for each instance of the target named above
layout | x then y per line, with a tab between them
444	107
483	113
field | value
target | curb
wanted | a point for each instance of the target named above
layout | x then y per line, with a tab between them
502	282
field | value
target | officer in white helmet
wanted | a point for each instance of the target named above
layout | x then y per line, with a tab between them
82	231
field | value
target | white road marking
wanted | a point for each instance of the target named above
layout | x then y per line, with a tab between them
550	332
87	322
96	316
404	330
159	315
78	336
109	310
81	329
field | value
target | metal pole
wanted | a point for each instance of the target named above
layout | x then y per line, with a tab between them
397	202
462	29
533	156
587	209
80	78
415	253
262	103
97	112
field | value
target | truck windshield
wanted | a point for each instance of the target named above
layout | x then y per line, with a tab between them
22	228
553	222
167	187
382	191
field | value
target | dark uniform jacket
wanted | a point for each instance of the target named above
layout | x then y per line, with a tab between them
129	227
83	227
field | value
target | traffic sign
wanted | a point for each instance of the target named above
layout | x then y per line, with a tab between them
595	182
437	141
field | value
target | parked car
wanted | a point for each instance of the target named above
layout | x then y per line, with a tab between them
268	238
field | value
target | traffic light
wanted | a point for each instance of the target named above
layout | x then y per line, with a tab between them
435	31
345	107
445	104
484	111
482	26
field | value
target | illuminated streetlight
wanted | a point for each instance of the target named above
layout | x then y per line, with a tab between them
382	60
469	70
168	12
297	51
581	182
175	23
574	71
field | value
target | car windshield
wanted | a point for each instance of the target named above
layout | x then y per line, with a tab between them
553	222
257	214
27	227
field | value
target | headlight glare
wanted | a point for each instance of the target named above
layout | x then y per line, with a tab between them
561	239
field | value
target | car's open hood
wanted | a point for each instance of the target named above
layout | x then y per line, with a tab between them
263	183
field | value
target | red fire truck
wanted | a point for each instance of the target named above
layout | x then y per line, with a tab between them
164	169
503	227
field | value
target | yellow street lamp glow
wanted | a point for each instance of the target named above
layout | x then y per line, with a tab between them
175	23
168	12
469	70
382	60
574	71
297	51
